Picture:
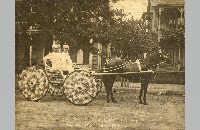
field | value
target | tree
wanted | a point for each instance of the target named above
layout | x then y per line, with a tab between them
129	36
74	21
77	21
174	37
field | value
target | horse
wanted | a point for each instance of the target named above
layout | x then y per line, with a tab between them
119	66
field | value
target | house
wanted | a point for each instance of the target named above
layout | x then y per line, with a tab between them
164	16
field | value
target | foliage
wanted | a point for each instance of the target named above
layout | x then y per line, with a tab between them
129	36
173	36
73	21
77	21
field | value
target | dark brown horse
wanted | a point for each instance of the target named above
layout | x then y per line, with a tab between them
118	65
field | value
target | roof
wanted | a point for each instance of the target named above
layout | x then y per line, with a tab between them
167	2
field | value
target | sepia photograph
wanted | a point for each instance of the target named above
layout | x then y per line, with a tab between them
99	64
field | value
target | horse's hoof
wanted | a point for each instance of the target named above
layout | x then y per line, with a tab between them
146	103
140	102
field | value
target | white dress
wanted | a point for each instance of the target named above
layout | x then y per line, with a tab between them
60	61
66	61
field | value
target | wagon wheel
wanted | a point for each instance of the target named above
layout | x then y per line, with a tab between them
81	88
33	83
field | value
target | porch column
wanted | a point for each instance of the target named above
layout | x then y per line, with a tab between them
179	54
108	51
90	59
30	55
175	56
43	54
99	46
159	19
30	50
179	49
179	58
80	57
181	10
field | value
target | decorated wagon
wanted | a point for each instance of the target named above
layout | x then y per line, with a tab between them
59	77
80	86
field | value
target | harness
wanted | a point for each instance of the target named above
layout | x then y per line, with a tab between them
118	67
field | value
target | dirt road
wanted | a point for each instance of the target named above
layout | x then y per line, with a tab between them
166	111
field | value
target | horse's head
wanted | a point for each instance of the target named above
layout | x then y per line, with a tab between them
164	57
156	58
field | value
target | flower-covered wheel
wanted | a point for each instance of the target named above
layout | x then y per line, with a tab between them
33	83
81	88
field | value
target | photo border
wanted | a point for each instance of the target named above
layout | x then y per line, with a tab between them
192	65
7	65
7	69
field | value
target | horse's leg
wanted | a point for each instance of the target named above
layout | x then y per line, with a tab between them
107	96
141	91
113	99
108	83
111	95
146	83
111	82
109	92
107	88
145	93
106	80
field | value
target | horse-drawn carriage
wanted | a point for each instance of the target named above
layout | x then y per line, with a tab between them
80	86
59	77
